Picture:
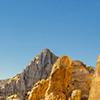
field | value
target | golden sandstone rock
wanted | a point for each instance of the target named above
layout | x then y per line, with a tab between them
95	86
67	81
38	90
59	79
57	85
76	95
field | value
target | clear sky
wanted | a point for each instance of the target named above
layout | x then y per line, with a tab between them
70	27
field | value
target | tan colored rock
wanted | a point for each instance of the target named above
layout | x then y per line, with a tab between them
59	79
76	95
81	78
95	86
13	97
39	89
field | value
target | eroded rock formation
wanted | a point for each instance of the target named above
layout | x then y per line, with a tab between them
39	89
57	84
39	68
95	86
76	95
59	79
38	82
81	78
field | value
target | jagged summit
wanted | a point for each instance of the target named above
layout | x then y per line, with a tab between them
39	68
45	53
46	50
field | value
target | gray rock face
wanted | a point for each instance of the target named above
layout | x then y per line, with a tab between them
39	68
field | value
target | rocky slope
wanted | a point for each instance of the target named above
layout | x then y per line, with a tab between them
57	83
67	80
38	69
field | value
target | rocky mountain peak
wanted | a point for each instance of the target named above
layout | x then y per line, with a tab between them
39	68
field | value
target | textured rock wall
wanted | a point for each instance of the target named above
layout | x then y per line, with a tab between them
69	80
56	87
95	86
39	89
81	78
39	68
59	79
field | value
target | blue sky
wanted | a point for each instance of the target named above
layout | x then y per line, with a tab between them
70	27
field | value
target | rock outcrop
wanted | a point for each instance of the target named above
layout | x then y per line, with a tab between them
56	87
39	89
59	79
76	95
39	68
81	79
68	80
64	81
95	86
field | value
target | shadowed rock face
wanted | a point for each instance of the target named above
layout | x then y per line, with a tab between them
39	68
81	79
95	86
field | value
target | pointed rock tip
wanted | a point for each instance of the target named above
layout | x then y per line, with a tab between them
66	60
98	60
46	50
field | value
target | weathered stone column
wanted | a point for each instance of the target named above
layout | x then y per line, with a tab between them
95	86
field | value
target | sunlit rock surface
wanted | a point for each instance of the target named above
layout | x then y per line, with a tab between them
57	84
95	86
39	68
40	76
39	89
76	95
59	79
